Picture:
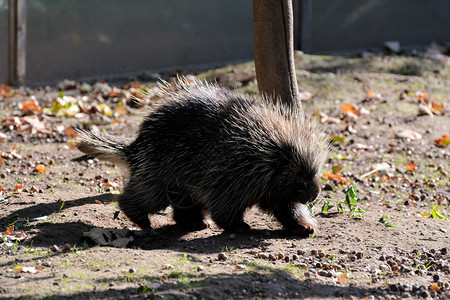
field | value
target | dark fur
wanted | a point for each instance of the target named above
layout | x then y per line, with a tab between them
211	150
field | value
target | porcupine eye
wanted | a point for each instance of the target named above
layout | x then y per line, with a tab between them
302	186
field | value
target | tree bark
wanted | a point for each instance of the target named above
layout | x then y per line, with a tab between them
274	50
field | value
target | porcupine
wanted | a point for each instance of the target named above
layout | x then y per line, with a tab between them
212	150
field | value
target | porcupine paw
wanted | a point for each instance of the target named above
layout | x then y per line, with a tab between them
192	219
198	225
302	230
240	227
149	232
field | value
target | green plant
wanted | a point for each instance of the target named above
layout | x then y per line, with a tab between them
383	220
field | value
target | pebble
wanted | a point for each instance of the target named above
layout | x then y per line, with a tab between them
65	248
153	285
55	248
263	255
222	256
406	295
301	252
324	273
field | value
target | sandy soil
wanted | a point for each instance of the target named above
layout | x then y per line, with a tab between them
399	247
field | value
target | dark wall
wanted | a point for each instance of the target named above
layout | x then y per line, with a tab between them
3	41
68	38
360	24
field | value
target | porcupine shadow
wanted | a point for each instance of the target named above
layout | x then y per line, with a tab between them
213	151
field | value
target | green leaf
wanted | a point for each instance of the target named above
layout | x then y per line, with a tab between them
337	139
326	207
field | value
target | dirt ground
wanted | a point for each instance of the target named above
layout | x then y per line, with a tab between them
388	119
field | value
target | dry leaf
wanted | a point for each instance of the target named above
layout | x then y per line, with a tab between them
31	106
69	131
442	141
2	137
411	166
36	124
9	231
41	169
342	278
349	108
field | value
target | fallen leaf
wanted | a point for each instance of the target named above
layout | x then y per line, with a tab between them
98	202
421	95
349	108
411	166
424	110
41	169
70	131
2	137
442	141
9	231
18	188
327	176
37	125
5	87
31	105
27	269
342	278
434	287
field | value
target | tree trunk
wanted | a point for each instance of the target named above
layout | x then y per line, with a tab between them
274	50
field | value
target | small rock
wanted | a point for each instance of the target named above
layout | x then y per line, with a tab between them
65	248
280	255
393	288
302	266
200	268
301	252
222	256
324	273
153	285
2	137
406	295
409	134
294	257
392	46
55	248
263	255
360	255
132	270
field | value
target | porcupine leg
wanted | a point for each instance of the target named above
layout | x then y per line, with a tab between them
191	217
186	212
137	203
229	219
296	218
